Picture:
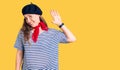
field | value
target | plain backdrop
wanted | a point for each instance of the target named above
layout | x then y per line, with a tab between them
95	23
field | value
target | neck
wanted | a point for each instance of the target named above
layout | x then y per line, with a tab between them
40	29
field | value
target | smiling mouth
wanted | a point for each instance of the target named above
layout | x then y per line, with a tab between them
30	23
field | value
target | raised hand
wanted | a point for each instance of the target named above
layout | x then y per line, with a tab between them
56	17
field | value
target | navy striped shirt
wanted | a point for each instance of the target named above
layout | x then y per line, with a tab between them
42	55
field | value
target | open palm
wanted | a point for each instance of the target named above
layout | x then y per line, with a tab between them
56	17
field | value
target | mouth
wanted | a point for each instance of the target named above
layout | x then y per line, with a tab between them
30	24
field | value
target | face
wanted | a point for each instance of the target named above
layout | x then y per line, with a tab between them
32	19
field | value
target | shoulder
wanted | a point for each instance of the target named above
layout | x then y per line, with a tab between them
54	30
20	34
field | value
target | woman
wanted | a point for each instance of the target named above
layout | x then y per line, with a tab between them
37	45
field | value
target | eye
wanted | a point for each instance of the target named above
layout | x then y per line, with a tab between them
30	16
25	18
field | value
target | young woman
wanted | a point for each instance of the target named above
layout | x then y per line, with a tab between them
37	45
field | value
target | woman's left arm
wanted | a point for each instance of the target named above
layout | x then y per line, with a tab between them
57	20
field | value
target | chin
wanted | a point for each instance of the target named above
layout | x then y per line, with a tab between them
32	25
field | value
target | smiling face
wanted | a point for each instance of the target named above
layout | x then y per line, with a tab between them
32	19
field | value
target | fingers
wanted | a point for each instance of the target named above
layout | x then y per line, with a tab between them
54	13
56	17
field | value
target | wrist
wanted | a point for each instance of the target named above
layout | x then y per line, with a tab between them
61	25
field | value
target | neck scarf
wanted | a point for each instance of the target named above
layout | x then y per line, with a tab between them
36	30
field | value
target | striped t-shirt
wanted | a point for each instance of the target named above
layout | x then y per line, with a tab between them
42	55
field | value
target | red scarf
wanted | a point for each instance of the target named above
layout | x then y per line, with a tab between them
36	30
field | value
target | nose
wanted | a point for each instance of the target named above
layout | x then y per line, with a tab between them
28	21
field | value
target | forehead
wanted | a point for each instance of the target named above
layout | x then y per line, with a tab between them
27	15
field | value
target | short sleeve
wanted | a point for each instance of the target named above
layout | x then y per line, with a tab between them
18	43
61	37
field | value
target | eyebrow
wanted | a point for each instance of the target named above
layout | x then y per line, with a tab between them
25	17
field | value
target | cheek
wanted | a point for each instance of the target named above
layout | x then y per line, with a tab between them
36	20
